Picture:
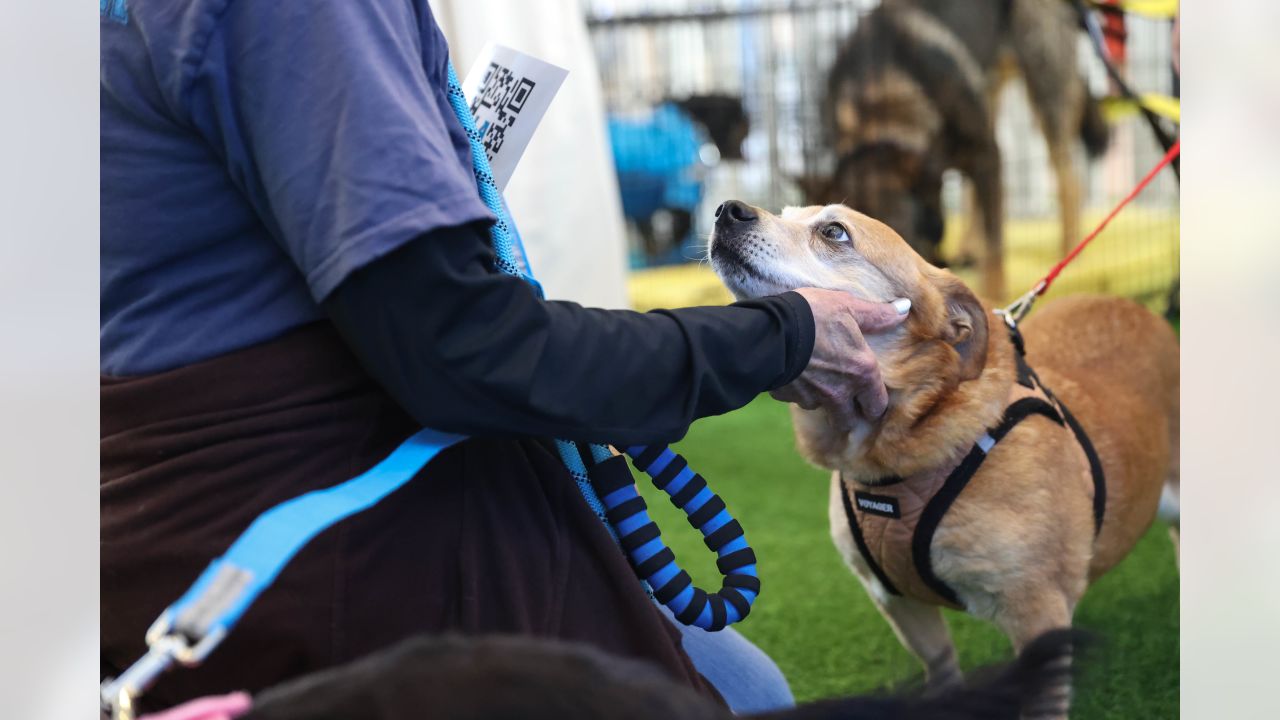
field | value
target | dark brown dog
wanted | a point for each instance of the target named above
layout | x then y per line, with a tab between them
510	678
913	93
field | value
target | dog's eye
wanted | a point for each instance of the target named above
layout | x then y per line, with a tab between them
835	232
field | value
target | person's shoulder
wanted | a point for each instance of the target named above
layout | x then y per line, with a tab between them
172	36
176	37
162	21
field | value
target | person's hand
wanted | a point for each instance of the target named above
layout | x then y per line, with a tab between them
842	376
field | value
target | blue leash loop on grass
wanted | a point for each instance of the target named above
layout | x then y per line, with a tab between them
189	629
656	564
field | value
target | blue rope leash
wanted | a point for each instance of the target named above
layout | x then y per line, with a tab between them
622	509
656	563
504	248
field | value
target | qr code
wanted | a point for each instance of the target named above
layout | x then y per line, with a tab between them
502	96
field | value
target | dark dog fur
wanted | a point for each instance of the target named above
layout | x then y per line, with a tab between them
913	92
725	119
496	678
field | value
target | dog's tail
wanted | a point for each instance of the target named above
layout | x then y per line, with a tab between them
1005	692
1094	130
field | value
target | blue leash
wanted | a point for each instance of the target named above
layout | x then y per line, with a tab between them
623	510
189	629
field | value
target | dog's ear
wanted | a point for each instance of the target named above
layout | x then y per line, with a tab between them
966	327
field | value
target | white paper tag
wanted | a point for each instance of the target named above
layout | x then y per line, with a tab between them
508	93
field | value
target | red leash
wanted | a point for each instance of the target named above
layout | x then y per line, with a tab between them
1019	308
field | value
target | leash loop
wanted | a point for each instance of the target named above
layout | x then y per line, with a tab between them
706	513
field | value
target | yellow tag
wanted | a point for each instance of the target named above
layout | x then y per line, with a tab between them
1114	108
1160	9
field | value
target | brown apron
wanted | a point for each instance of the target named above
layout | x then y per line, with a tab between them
491	537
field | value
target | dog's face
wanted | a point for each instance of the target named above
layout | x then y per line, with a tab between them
756	253
941	344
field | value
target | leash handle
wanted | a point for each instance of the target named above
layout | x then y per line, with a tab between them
654	562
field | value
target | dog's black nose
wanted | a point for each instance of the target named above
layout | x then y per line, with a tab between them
734	212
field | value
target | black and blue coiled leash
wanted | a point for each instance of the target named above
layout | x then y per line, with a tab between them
189	629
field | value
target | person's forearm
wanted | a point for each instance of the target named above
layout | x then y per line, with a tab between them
467	350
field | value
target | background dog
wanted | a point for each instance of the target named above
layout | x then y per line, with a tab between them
913	92
661	162
1018	545
496	678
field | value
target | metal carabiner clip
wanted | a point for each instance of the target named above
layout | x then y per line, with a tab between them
1019	308
164	648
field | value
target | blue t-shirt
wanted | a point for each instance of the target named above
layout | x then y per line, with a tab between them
254	153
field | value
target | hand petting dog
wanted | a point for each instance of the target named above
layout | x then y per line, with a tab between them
843	376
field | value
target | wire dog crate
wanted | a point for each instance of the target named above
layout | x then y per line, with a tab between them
775	56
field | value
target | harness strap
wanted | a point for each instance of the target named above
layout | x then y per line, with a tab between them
957	480
1095	467
861	542
1027	377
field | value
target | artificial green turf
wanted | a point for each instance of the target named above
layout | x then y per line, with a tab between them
814	619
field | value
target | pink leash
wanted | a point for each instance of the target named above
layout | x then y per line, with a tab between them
214	707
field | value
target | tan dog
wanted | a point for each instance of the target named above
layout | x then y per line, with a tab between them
1018	545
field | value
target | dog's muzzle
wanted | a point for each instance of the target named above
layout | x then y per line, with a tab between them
734	221
734	212
737	248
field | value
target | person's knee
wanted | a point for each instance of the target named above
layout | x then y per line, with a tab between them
747	678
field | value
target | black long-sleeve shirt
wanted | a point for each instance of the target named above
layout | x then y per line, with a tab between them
465	349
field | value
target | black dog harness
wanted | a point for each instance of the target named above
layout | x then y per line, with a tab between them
894	520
